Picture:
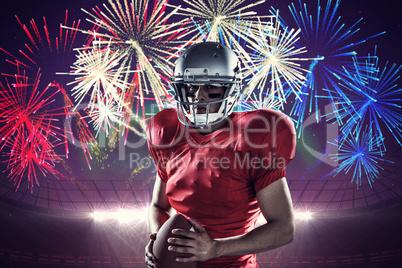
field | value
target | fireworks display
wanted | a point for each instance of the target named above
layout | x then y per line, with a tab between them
325	37
375	98
105	113
360	154
29	131
99	75
274	63
43	50
50	54
145	38
220	21
31	151
109	70
74	118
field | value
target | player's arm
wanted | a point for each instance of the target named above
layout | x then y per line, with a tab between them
276	206
159	209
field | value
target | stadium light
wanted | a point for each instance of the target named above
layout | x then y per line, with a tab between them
306	215
122	216
99	216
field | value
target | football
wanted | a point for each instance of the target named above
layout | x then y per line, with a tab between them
164	257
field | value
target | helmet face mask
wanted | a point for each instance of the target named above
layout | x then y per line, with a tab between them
207	63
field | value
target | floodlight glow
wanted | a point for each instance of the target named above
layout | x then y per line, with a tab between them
307	215
99	216
126	216
122	216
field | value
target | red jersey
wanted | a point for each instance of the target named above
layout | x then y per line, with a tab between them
214	178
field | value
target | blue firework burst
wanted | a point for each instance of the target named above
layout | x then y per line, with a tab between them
359	154
374	98
325	37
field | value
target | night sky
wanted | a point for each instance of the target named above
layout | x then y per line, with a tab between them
376	19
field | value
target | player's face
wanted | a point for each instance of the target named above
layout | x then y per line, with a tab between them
205	93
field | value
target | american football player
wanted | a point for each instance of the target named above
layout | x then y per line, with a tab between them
219	168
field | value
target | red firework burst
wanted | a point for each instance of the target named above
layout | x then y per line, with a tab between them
31	151
83	134
29	128
42	48
23	106
52	52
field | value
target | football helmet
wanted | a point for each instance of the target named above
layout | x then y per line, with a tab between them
206	63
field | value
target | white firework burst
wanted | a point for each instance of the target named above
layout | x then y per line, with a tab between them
220	21
99	74
105	114
256	102
275	62
143	35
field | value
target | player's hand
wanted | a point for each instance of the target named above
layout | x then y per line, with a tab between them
149	256
200	244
